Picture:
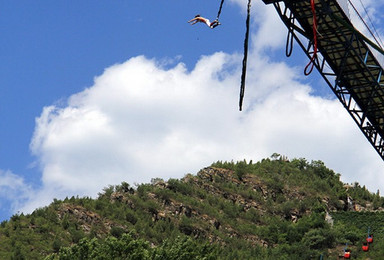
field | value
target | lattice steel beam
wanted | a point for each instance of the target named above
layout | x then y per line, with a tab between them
344	60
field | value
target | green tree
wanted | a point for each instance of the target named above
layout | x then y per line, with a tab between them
184	248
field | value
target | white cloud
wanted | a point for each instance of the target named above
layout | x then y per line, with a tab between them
13	190
140	120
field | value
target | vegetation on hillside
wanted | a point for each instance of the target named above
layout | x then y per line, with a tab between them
272	209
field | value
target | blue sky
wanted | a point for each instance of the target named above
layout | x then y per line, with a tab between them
98	92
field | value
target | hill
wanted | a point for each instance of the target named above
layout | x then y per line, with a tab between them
272	209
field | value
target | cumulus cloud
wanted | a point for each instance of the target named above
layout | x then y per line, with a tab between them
13	191
141	120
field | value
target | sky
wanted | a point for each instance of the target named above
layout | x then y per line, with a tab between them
94	93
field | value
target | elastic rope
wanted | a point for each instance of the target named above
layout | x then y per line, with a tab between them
289	43
311	63
244	69
219	12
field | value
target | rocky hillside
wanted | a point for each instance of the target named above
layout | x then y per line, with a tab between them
273	209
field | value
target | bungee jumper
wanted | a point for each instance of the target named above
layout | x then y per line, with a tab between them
200	19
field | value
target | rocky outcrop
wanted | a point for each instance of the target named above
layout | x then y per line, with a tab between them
85	219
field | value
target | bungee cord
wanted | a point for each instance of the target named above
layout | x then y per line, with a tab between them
244	69
219	12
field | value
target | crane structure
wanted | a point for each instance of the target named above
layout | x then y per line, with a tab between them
345	58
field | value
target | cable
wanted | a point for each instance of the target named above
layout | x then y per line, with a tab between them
361	18
373	25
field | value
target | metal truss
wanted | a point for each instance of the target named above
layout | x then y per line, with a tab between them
344	60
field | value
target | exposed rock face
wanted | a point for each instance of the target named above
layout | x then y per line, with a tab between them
85	218
80	213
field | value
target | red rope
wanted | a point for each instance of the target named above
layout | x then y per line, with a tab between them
314	28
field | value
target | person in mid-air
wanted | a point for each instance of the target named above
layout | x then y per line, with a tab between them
199	19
